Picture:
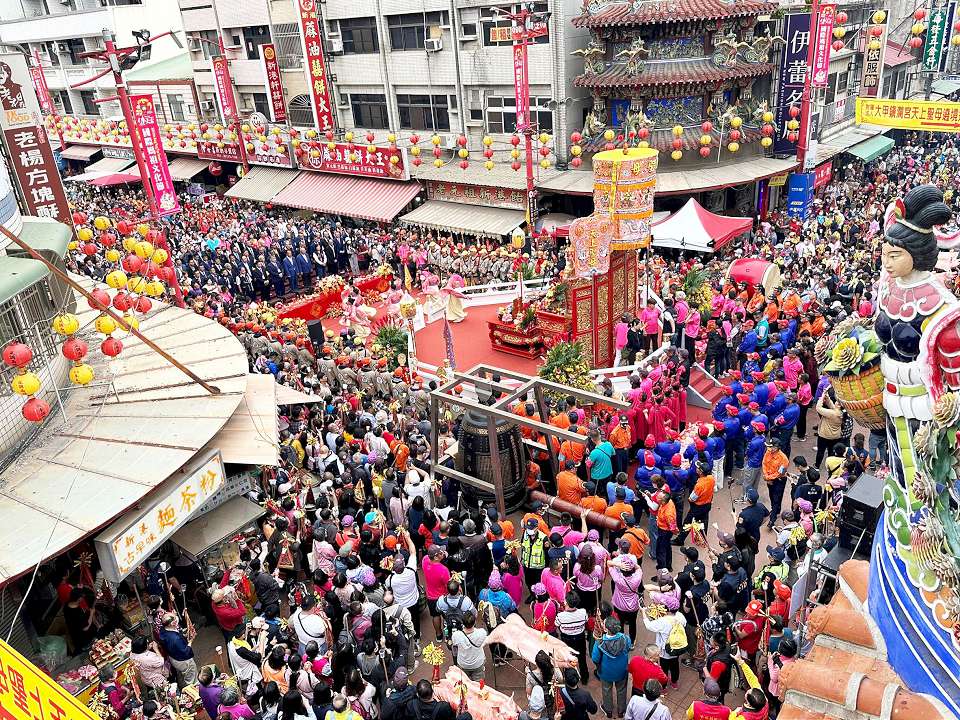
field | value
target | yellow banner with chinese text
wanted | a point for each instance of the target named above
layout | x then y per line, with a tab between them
909	114
28	693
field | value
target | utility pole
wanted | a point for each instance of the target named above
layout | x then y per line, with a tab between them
115	57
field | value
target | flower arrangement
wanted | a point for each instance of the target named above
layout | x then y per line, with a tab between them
859	350
555	299
854	370
696	285
566	364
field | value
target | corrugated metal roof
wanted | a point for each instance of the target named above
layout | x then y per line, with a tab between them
262	184
458	217
117	442
184	168
673	72
377	200
80	152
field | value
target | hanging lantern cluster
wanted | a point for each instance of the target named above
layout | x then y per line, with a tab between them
394	158
767	130
488	152
462	152
955	40
90	130
793	124
515	152
437	152
544	149
706	139
576	149
265	140
74	349
643	137
916	30
735	135
677	142
26	383
415	150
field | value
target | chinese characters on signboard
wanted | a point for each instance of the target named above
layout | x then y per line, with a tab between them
359	161
39	81
221	78
316	70
31	156
520	86
110	151
910	114
820	60
476	195
128	542
873	51
793	74
936	37
271	67
221	151
822	175
28	693
147	132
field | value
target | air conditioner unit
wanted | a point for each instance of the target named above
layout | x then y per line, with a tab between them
449	141
193	44
63	47
334	45
433	44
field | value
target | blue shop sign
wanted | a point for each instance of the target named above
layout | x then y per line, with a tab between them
800	195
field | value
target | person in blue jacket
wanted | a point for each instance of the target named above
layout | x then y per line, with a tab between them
719	411
736	382
756	449
716	444
749	342
751	365
733	432
666	449
610	656
290	270
786	421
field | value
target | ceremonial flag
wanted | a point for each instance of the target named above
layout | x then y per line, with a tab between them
407	279
448	339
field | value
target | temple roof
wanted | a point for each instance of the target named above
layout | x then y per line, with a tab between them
662	139
673	72
658	11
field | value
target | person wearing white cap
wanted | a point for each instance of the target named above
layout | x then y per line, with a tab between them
535	706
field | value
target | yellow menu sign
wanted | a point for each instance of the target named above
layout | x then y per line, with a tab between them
28	693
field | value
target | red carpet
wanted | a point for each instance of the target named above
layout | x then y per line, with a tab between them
471	344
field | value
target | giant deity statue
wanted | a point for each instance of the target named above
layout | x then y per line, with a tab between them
914	594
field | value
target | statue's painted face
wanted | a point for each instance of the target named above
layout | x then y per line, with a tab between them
896	261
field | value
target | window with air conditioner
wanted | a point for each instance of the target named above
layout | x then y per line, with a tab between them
410	31
359	36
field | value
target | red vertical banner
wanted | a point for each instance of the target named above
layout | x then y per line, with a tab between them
271	67
520	86
40	88
147	132
221	78
820	60
316	70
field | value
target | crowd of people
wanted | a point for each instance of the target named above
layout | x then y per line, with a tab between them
363	561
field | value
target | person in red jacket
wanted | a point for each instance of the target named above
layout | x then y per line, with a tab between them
229	611
710	708
646	667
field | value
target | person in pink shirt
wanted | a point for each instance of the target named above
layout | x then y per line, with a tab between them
544	610
804	400
650	318
620	337
435	577
512	579
691	330
552	579
865	308
792	368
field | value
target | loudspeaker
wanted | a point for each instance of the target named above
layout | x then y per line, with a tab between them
860	513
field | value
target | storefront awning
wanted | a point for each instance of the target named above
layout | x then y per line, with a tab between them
109	165
80	152
261	184
212	528
944	87
897	54
184	168
377	200
476	220
289	396
693	227
251	435
871	149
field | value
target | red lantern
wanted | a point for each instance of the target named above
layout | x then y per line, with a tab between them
414	139
74	349
734	136
515	165
544	151
707	127
677	144
515	140
89	249
488	153
916	42
794	111
876	30
705	152
143	304
151	270
17	355
168	274
576	162
643	133
417	162
35	410
132	263
609	146
437	152
370	137
462	140
837	45
108	239
464	164
793	136
841	18
111	347
956	26
122	301
215	168
919	14
79	218
575	138
101	296
766	130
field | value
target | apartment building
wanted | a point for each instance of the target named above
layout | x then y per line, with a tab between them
433	65
60	31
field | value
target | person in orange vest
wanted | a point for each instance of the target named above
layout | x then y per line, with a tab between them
665	512
537	510
570	488
621	438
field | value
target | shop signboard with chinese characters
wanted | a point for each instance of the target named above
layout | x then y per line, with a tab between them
316	69
476	195
271	68
147	131
221	79
874	47
123	546
29	693
273	149
220	151
822	174
910	114
793	75
39	81
382	162
122	153
820	56
521	86
937	37
32	163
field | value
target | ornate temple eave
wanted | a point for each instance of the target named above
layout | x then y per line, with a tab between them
701	71
653	12
662	139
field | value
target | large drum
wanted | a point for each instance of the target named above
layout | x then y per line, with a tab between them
754	271
476	459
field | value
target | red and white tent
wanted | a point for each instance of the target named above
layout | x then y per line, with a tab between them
695	228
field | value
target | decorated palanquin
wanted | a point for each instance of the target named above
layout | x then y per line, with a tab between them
325	300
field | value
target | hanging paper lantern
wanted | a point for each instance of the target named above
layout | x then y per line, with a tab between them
105	324
707	126
143	230
515	165
915	43
142	305
608	135
108	239
793	124
676	154
577	162
435	140
84	234
144	249
155	288
116	279
879	16
112	255
955	41
168	274
464	164
74	349
122	301
676	144
733	147
72	245
65	324
488	164
132	263
463	153
735	135
35	410
837	45
25	383
766	130
88	249
766	141
575	138
874	44
705	152
841	17
136	284
956	26
111	347
417	162
768	117
215	168
918	28
415	151
160	256
100	296
705	139
438	163
79	218
81	374
544	151
793	136
544	138
131	321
